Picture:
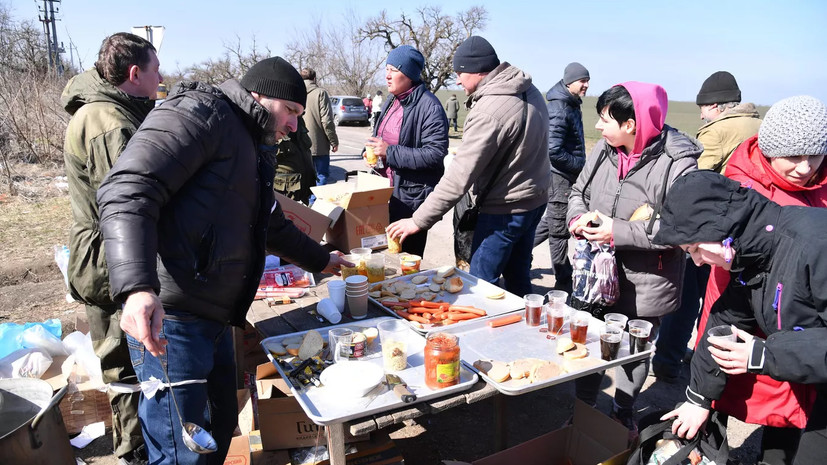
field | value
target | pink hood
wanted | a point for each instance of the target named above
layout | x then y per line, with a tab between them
651	105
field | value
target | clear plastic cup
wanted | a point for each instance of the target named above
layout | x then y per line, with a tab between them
610	337
639	331
579	326
556	316
393	335
362	254
376	268
339	342
721	333
533	309
409	263
618	319
348	271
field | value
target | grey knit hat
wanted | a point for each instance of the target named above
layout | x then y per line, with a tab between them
574	72
475	55
793	127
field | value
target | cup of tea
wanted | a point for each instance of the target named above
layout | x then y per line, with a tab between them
533	309
638	335
618	319
610	336
721	333
579	326
556	316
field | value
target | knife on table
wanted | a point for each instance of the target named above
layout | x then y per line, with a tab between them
400	388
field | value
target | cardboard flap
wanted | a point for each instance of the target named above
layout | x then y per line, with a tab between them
334	193
308	221
613	436
268	383
328	209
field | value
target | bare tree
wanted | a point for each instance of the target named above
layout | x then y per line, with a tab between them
235	61
342	60
434	34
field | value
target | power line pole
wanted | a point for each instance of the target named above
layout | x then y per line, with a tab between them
48	19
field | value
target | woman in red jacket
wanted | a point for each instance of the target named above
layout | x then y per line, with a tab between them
778	164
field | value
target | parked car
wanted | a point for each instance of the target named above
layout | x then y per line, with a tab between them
349	109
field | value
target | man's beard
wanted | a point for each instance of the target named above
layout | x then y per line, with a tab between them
269	138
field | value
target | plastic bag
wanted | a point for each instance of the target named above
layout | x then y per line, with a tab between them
10	334
79	345
25	363
62	260
38	337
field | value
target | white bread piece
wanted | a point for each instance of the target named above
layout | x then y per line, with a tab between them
521	368
292	349
370	334
312	344
579	351
580	364
496	370
564	344
453	285
293	340
544	371
276	349
445	271
419	279
437	280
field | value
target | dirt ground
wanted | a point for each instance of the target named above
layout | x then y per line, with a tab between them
32	289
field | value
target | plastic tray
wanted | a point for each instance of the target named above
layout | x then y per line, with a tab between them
478	341
325	407
473	293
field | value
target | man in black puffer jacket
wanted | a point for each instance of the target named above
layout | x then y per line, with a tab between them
186	213
567	154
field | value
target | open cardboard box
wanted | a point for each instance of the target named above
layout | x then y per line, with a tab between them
310	222
359	211
592	438
281	420
82	406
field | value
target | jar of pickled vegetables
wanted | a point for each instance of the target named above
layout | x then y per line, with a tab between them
441	360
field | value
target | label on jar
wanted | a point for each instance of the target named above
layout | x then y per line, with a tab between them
447	373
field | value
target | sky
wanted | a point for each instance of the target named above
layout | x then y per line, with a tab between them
775	49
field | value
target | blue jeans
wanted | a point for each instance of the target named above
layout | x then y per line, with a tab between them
676	328
322	165
502	246
197	349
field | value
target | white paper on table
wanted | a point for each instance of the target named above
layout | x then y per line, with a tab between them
88	434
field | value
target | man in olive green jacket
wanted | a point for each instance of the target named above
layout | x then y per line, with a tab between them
728	121
107	104
318	117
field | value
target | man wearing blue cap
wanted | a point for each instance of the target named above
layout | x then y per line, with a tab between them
503	162
411	139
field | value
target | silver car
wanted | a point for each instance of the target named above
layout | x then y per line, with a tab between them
349	109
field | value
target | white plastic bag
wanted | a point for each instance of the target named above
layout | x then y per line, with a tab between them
25	363
62	260
37	337
79	345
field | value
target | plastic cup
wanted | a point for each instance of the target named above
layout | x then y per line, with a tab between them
557	297
617	319
610	336
394	246
370	156
393	335
336	291
409	263
358	305
579	326
348	271
362	254
376	268
533	309
339	342
556	316
638	335
721	333
327	308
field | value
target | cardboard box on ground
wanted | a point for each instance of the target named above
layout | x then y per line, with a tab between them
84	403
281	420
592	438
245	450
358	211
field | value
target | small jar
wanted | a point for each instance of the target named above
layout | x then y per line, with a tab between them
441	360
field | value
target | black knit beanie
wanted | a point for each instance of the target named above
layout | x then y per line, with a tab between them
475	55
720	87
276	78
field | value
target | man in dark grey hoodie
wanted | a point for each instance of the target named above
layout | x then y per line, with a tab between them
567	154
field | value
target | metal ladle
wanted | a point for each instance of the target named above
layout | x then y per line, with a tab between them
196	438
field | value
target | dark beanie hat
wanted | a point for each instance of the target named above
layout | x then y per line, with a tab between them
574	72
276	78
720	87
475	55
408	60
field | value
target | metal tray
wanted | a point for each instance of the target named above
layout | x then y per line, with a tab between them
473	293
324	407
478	341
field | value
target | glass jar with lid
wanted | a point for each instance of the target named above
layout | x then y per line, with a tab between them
441	360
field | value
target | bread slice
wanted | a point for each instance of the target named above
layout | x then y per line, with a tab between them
370	334
453	285
579	351
564	344
312	344
521	368
544	371
419	279
580	364
496	370
292	349
276	349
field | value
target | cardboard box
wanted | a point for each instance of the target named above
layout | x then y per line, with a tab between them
239	453
378	451
84	403
310	222
359	211
266	457
281	420
592	438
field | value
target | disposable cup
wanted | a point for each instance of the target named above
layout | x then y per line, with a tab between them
610	336
393	334
556	297
370	156
721	333
339	341
579	326
394	246
409	263
639	331
618	319
533	309
336	291
327	308
358	306
348	271
556	316
362	254
376	268
356	280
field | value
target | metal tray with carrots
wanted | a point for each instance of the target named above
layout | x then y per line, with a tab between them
442	297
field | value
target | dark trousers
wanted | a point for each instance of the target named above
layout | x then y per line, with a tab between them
554	228
813	444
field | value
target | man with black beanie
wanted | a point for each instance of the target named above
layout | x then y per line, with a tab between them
187	213
503	163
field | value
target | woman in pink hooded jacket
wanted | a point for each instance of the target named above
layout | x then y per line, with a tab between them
630	171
